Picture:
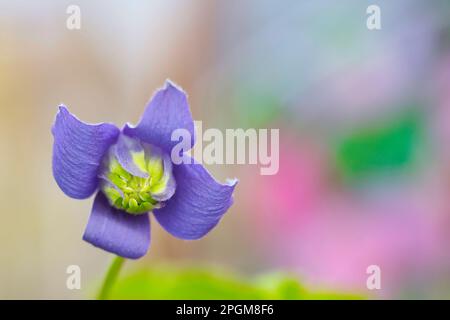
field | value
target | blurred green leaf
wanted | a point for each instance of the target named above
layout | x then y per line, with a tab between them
255	108
201	283
384	147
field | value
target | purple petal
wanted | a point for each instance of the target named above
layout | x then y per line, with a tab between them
167	111
116	231
197	205
123	151
78	149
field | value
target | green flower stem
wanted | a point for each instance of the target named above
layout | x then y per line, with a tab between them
111	277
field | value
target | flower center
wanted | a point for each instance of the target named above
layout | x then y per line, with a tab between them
137	194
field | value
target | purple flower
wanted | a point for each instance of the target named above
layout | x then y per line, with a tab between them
132	173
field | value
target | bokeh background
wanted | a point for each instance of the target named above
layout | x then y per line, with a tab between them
364	119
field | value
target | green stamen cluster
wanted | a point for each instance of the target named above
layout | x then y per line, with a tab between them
137	191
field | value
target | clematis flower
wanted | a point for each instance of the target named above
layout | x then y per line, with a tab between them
132	173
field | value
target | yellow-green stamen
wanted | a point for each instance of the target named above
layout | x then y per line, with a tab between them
131	193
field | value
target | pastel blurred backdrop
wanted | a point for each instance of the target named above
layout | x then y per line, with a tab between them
364	119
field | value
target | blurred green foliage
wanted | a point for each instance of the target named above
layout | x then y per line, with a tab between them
255	107
384	147
165	282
